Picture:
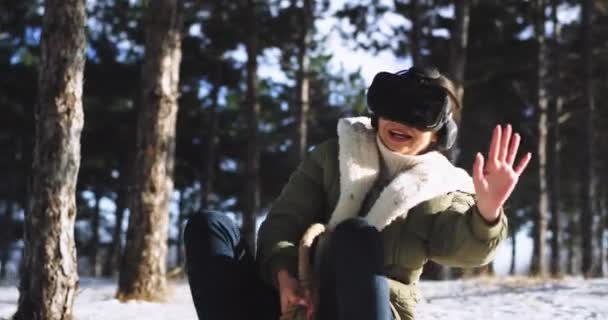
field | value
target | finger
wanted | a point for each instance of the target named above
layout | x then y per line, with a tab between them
523	163
513	149
310	308
493	154
310	313
283	305
478	170
287	300
504	144
478	166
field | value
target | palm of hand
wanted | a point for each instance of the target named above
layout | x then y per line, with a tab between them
495	181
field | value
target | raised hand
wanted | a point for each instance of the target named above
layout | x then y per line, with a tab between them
494	182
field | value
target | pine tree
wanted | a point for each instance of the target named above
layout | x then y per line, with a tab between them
554	146
539	263
143	268
49	278
252	167
588	189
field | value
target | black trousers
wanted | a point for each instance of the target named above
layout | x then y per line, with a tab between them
222	273
225	283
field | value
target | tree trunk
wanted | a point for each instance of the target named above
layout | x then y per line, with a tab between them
458	46
49	278
600	271
411	10
415	32
604	223
180	229
572	232
588	183
554	148
252	188
458	58
113	258
4	257
94	249
143	268
513	267
213	140
112	262
6	233
539	263
303	81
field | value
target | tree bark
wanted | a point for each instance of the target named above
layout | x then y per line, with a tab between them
180	230
49	278
6	237
415	32
252	187
112	263
213	140
600	271
572	232
303	81
113	258
588	179
539	262
143	268
554	148
458	58
94	250
458	46
604	223
4	257
513	267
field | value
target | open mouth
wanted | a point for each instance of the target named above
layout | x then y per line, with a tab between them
399	135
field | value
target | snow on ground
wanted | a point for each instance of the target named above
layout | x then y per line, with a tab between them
95	301
520	299
499	299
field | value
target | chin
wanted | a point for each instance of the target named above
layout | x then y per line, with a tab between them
403	150
407	152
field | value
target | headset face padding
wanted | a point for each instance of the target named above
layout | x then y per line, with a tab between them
447	135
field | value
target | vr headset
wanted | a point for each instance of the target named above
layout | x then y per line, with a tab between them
413	97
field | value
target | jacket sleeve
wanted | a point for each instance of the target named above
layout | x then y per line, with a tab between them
460	237
297	207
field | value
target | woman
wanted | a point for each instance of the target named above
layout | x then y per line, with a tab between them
390	201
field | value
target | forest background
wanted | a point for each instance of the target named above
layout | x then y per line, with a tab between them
188	105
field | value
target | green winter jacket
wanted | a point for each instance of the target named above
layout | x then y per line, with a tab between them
446	228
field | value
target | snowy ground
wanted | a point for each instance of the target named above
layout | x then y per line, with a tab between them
486	299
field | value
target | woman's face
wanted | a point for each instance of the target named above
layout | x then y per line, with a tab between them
404	139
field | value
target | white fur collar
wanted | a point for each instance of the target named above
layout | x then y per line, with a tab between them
358	156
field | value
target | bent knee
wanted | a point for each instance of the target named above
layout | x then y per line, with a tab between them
354	230
204	223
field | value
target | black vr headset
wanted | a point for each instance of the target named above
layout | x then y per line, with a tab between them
413	97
